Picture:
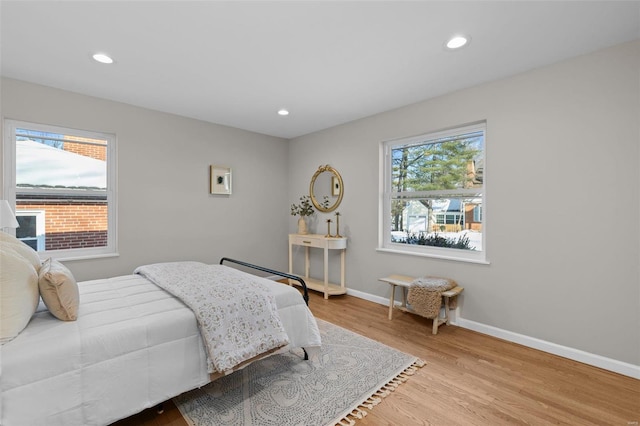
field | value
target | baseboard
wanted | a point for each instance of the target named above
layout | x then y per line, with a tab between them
609	364
367	296
553	348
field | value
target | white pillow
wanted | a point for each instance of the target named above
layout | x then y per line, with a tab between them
19	293
21	248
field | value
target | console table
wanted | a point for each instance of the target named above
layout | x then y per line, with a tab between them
326	244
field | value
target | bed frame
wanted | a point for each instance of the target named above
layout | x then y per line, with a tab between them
305	293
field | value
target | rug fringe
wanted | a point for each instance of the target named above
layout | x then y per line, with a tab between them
376	398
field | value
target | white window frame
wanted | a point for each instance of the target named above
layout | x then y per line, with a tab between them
40	226
9	179
385	197
477	214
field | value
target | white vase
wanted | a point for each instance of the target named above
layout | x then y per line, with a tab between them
302	226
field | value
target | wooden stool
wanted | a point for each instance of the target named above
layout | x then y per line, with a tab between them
404	282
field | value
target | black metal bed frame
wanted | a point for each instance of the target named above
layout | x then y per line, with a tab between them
305	293
305	296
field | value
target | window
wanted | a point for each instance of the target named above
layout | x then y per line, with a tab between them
477	213
433	194
62	182
31	228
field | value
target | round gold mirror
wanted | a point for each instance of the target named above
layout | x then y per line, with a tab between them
326	189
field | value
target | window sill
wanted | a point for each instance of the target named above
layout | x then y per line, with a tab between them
67	258
434	256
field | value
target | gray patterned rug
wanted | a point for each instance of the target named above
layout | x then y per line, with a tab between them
351	374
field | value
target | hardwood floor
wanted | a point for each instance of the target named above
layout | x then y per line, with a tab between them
470	378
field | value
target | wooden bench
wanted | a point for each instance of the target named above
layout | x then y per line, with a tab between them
404	282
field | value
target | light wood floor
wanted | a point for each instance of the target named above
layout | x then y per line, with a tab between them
470	378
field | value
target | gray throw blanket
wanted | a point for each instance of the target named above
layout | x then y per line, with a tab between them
236	313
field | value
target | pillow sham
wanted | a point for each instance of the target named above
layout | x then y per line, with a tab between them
21	248
59	290
19	295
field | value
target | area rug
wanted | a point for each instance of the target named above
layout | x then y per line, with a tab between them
351	374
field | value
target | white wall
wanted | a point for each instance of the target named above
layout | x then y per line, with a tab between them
165	211
562	207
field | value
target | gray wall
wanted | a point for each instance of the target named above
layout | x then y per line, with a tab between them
165	211
562	210
562	194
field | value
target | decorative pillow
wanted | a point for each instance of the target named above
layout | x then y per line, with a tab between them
21	248
18	293
59	290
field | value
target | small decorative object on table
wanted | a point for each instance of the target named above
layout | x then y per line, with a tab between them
338	225
303	210
328	228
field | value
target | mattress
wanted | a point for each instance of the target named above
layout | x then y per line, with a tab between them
132	347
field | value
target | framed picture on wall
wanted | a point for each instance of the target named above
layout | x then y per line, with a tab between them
220	177
335	186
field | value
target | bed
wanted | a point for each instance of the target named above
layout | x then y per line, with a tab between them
132	346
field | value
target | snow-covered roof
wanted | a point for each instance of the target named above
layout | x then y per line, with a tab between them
38	164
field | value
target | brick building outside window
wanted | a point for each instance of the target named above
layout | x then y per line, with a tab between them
62	184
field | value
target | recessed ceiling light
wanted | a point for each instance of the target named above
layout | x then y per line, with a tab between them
457	42
102	58
283	112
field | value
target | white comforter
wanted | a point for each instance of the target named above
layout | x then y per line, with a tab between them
132	347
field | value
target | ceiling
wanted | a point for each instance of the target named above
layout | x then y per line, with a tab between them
327	62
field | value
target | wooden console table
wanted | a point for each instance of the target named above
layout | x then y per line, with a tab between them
326	244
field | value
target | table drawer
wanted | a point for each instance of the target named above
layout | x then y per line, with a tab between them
302	240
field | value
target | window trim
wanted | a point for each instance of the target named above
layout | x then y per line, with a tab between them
385	197
40	225
10	191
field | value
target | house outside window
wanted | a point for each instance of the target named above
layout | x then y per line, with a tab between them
433	194
62	182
